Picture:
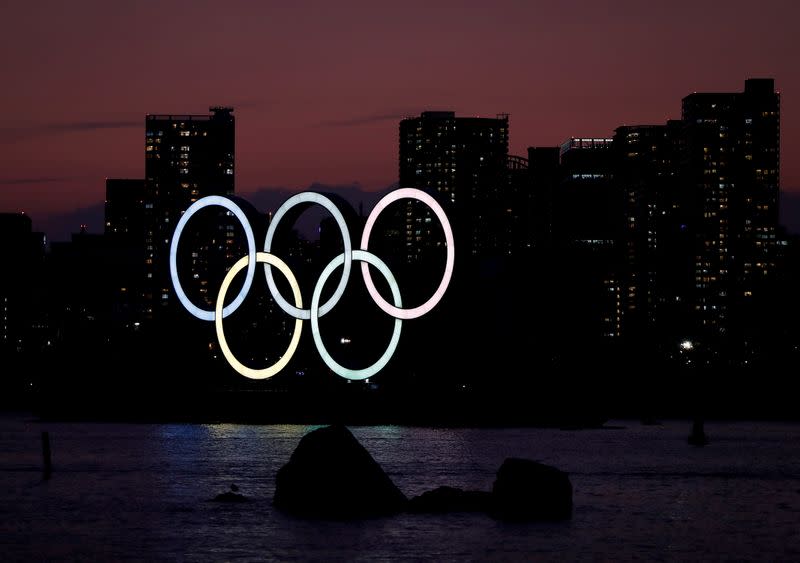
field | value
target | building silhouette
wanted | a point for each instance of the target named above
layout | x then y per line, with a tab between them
701	231
731	170
586	229
544	174
576	228
656	246
516	211
81	300
125	240
187	157
24	327
21	296
464	161
670	230
124	209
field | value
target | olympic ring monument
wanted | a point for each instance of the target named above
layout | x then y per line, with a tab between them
316	310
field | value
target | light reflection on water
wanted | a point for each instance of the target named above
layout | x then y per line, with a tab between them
139	492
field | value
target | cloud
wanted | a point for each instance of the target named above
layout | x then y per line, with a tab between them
40	180
91	125
59	226
21	133
367	119
251	103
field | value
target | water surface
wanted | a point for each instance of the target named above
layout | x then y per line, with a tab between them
139	492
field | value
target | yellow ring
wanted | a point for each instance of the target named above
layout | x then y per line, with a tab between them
265	373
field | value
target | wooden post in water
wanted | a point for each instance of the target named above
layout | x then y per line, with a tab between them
698	436
46	458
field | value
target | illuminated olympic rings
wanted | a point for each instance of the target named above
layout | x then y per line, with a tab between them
316	310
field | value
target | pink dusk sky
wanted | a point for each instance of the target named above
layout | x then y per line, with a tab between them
319	87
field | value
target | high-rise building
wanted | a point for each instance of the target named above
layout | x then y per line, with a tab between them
515	237
588	208
21	284
731	170
586	230
667	234
655	272
125	241
700	237
187	157
544	173
124	210
82	298
576	221
464	160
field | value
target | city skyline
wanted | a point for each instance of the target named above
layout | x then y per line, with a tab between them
649	255
340	127
451	280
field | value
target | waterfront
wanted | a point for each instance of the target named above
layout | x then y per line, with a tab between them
139	492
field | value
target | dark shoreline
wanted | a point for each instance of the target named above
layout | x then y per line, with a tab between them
453	410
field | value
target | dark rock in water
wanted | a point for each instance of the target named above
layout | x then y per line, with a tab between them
331	475
230	496
527	490
450	499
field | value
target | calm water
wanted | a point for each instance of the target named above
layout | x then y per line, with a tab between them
138	492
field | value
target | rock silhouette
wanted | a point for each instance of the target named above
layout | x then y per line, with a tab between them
331	475
451	499
230	496
528	490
